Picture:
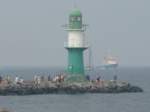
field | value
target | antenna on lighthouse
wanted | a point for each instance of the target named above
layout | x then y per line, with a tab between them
75	4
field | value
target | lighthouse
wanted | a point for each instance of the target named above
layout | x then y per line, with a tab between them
76	44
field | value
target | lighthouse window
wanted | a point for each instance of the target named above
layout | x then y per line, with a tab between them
79	18
72	18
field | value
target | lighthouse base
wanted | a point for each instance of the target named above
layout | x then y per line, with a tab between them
75	60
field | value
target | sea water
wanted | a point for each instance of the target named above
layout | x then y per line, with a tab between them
124	102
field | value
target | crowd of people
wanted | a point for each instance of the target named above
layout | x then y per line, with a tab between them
9	80
99	81
57	78
37	79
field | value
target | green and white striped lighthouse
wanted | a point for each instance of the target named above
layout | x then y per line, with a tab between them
76	44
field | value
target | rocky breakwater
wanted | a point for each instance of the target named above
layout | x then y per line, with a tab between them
49	87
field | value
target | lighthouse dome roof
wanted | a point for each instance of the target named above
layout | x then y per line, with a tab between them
76	12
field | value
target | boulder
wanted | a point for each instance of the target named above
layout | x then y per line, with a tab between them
4	110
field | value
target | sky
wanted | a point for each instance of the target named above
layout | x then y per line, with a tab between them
31	32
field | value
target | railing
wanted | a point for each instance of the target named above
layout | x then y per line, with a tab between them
67	45
67	27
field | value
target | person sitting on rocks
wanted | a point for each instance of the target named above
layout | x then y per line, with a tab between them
59	79
115	78
42	78
49	78
38	80
88	77
56	78
16	80
1	79
35	78
8	79
4	110
98	79
21	81
62	77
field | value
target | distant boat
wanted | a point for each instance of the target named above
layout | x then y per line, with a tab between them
110	62
89	68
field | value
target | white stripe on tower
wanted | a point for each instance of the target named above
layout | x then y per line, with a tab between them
76	39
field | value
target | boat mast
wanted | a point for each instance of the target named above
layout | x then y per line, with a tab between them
90	65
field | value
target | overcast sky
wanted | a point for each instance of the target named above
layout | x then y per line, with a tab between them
31	32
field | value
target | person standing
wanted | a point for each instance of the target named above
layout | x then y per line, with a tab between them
49	78
1	79
16	80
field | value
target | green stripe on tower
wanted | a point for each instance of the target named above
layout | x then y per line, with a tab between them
75	61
